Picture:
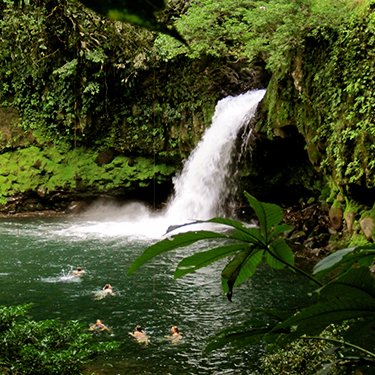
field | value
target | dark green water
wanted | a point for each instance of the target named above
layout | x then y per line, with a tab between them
36	254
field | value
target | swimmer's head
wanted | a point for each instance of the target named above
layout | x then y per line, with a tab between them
138	328
174	329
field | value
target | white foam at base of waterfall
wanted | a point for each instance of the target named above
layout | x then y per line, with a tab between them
198	189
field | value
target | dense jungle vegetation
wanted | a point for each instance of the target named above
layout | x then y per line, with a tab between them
91	105
76	83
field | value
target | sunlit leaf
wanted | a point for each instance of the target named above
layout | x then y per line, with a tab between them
249	267
236	229
280	254
177	241
136	12
251	236
268	214
204	258
239	269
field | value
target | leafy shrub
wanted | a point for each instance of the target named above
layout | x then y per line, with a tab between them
306	357
44	347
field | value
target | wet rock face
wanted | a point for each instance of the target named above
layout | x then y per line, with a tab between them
368	228
349	217
336	217
105	157
310	237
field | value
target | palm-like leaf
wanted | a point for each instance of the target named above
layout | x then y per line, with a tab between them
248	246
239	269
241	232
279	254
314	319
249	266
349	296
178	241
331	261
357	283
268	214
361	333
238	231
196	261
249	332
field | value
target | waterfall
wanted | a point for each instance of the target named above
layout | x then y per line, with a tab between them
199	189
201	186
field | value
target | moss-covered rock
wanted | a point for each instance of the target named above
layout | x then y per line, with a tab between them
57	174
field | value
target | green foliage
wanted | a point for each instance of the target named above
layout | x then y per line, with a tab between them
76	77
347	129
211	28
348	297
345	258
55	168
325	72
248	246
270	30
44	347
307	357
84	79
58	64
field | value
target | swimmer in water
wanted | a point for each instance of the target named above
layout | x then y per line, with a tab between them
78	272
98	326
175	335
107	290
140	335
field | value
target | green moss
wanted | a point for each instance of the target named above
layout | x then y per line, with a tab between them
357	239
54	169
351	206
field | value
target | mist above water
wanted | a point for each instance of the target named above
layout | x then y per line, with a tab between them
199	189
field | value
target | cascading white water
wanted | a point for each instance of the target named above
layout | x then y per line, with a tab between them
202	183
199	188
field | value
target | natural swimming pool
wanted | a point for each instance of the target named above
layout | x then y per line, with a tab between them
37	254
